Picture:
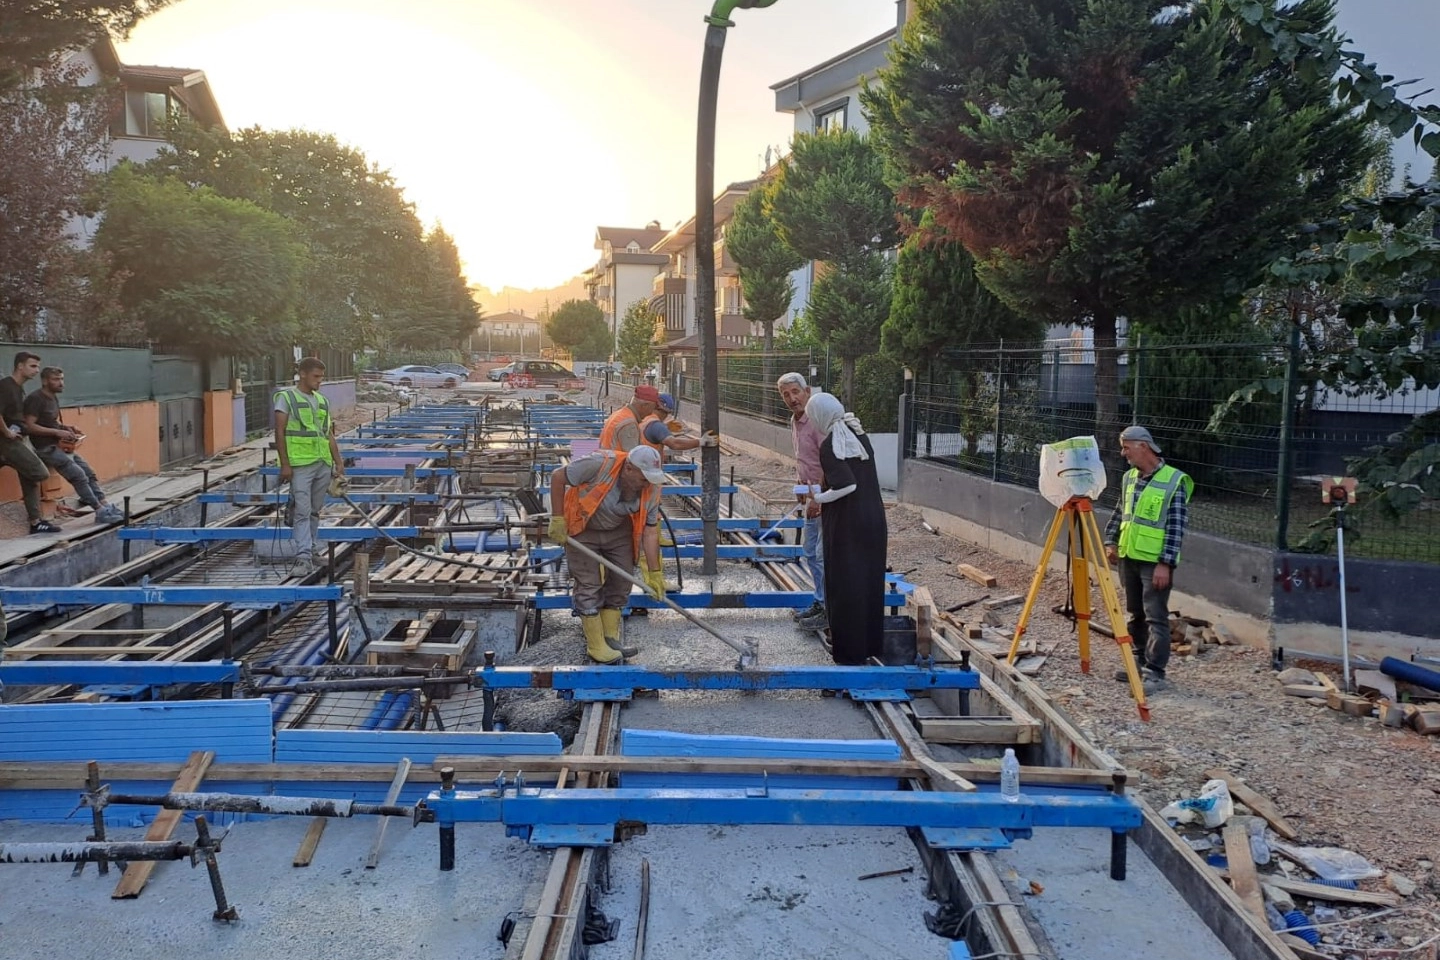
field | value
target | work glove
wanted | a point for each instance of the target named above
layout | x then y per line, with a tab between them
655	583
711	439
676	426
339	485
557	531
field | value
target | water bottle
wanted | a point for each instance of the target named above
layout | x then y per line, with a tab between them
1010	776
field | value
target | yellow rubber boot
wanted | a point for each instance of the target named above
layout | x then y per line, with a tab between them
610	620
595	644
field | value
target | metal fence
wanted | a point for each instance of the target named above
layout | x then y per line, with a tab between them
747	381
988	410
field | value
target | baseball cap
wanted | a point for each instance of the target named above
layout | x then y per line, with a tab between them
647	393
648	461
1139	434
668	402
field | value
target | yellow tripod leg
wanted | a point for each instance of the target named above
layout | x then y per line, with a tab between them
1111	599
1035	582
1080	583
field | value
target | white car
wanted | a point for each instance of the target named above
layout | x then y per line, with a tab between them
415	375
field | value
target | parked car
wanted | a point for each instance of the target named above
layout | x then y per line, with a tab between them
498	374
415	375
459	369
538	372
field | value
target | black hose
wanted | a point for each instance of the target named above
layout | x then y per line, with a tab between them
675	545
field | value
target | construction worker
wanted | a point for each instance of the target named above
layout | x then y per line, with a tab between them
608	502
663	433
622	430
1143	538
805	440
309	456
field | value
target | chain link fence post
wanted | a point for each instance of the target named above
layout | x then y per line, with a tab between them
1285	467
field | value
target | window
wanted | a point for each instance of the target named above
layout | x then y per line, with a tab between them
831	117
146	113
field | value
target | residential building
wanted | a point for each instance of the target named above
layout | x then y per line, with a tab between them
511	333
673	293
626	269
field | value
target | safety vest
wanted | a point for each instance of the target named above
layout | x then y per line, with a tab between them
306	441
582	500
610	433
1142	519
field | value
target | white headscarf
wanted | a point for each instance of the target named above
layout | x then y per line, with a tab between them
829	416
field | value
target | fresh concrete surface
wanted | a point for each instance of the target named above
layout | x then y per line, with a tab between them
1088	916
334	908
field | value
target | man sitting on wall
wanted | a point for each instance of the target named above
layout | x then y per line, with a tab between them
55	445
15	450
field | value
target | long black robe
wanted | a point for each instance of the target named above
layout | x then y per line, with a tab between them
855	535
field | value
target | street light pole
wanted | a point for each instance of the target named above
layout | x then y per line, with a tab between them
717	23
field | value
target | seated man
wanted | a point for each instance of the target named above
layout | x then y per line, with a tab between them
15	450
51	438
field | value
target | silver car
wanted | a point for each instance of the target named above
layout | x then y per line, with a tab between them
415	375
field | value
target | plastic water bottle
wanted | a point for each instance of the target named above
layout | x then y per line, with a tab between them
1010	776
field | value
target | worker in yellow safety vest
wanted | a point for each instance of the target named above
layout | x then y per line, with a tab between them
607	502
1143	537
309	456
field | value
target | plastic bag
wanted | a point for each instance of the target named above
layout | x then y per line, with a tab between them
1071	468
1330	863
1212	807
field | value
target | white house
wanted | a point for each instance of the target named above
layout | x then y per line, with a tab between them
626	269
673	292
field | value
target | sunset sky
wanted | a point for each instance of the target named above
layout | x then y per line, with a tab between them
521	125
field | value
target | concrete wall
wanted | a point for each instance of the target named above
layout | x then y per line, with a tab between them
219	421
120	441
1384	603
341	394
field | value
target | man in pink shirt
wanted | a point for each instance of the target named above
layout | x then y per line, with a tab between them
806	440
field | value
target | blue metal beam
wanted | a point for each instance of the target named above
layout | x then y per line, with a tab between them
359	496
39	673
725	551
778	600
356	534
389	453
525	809
41	598
590	682
421	473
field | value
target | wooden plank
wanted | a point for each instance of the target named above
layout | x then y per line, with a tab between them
402	773
976	574
1319	891
978	730
922	608
1242	868
1311	690
1256	801
306	853
138	874
915	748
1003	602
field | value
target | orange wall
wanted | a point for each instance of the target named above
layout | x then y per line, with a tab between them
121	440
219	421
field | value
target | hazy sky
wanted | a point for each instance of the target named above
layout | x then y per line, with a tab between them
521	125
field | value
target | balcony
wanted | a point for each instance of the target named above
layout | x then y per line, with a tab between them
725	265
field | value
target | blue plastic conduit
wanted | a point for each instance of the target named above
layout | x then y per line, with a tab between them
378	710
398	708
1410	673
309	650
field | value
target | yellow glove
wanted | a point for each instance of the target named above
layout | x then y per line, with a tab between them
655	581
339	485
557	531
676	426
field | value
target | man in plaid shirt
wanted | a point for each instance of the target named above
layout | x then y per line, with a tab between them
1143	538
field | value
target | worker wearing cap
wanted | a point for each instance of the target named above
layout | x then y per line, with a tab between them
622	429
663	433
610	503
1143	537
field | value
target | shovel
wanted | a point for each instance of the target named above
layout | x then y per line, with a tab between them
747	648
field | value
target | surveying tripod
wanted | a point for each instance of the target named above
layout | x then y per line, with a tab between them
1077	517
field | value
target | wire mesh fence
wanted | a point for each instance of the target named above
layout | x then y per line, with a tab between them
989	409
747	381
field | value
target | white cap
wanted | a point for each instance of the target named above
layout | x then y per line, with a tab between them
648	462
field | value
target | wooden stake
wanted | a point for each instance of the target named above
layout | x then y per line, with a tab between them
138	874
402	773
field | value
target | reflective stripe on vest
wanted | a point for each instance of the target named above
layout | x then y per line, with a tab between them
307	429
1142	518
582	500
610	433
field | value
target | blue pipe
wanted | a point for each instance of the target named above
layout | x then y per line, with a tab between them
378	710
1410	673
398	708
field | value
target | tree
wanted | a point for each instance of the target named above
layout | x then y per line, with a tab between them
765	260
213	274
31	31
831	204
1109	158
637	335
368	263
52	131
574	323
442	313
939	305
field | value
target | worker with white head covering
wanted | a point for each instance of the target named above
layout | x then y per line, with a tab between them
854	533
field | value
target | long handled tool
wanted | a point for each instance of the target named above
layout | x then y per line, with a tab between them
747	648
